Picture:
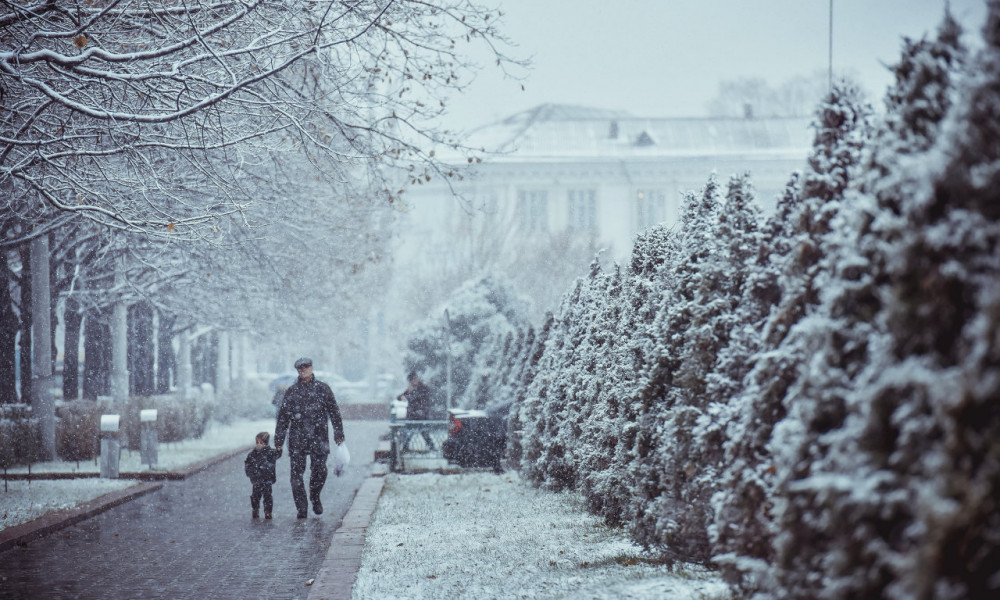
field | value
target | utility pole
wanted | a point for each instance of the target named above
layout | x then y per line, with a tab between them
829	76
447	349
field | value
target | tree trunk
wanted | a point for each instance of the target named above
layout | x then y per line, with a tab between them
43	404
204	350
222	363
119	339
241	349
8	335
165	362
97	350
25	310
184	370
72	320
141	350
53	310
119	352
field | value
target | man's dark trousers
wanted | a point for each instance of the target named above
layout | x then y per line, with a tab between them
317	477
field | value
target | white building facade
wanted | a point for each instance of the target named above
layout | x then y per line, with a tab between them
558	169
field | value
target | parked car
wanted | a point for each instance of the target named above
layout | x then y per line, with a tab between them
477	438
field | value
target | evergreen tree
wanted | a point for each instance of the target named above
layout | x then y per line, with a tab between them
640	300
934	422
837	438
587	377
661	471
522	412
599	427
791	279
743	528
567	396
543	408
481	313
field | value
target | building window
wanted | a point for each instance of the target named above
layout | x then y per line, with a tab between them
649	208
533	210
582	210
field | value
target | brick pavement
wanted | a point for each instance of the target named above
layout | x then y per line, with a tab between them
195	538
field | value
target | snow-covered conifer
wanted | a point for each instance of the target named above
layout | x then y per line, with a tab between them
661	471
599	424
743	529
612	489
543	406
842	434
585	427
568	392
481	312
694	425
791	279
523	411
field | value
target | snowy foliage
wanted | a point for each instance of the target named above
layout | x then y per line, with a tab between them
472	326
808	404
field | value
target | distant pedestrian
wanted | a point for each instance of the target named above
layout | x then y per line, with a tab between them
307	406
259	467
418	406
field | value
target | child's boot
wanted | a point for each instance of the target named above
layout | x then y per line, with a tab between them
267	515
255	514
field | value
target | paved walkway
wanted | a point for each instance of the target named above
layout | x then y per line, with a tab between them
195	538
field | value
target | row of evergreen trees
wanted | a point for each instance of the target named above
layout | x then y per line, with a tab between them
811	401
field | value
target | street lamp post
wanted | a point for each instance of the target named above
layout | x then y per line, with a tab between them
829	71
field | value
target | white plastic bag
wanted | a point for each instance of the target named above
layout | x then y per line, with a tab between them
341	458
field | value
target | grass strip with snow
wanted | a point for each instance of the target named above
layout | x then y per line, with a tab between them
23	501
480	535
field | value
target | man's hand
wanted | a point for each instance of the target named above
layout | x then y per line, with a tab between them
339	440
278	448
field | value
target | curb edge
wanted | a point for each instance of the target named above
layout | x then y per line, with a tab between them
336	577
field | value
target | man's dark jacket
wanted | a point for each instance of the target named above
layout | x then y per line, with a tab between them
259	465
303	414
418	402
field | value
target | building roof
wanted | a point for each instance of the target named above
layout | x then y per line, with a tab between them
573	132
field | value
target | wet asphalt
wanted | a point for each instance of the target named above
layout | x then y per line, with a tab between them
193	539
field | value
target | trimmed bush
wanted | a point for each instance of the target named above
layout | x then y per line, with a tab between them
78	426
77	430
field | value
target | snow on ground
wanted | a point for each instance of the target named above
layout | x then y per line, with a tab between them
480	535
21	501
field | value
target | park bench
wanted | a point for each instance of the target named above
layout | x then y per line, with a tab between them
403	430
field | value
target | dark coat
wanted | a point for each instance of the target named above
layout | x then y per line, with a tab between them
418	402
303	414
259	465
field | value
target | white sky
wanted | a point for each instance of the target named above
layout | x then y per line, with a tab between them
665	58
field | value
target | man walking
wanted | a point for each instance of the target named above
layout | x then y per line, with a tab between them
303	414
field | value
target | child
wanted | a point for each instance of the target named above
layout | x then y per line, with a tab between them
259	467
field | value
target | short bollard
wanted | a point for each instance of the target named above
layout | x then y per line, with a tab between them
148	437
111	447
